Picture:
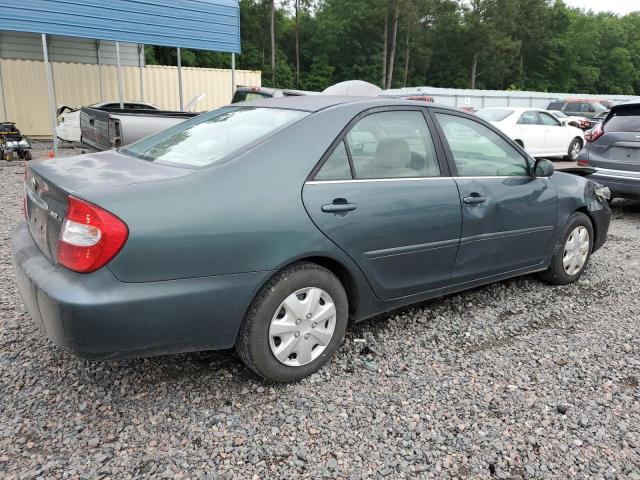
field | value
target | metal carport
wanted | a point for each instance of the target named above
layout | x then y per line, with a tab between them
198	24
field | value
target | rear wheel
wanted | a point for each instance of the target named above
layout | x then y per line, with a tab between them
572	252
574	149
294	324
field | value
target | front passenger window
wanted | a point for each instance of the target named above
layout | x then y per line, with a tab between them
478	151
549	120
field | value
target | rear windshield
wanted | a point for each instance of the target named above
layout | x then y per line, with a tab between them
210	137
494	115
627	120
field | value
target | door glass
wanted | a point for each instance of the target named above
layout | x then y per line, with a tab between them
393	145
548	119
572	107
529	118
479	151
337	165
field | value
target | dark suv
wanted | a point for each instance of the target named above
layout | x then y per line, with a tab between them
613	149
578	108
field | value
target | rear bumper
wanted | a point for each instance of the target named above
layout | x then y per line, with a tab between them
97	316
621	183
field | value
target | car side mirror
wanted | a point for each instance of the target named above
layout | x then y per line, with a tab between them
543	168
564	123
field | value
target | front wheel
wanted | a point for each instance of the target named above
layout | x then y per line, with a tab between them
572	252
574	149
295	324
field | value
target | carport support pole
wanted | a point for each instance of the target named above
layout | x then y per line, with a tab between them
120	84
233	75
99	71
4	99
140	57
52	95
180	78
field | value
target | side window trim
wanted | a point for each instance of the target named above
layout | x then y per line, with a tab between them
447	149
342	137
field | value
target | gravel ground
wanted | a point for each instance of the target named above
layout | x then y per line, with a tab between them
513	380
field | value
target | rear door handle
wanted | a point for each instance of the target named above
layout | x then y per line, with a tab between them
473	199
338	207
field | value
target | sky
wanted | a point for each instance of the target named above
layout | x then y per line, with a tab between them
621	7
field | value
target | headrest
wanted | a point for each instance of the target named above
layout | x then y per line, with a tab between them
392	153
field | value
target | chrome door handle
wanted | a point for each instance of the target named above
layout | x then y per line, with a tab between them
473	199
338	207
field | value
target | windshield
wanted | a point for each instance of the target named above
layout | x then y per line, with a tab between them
494	115
210	137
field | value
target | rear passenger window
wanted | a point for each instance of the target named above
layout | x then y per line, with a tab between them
336	166
392	145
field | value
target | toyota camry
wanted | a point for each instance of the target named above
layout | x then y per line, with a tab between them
267	226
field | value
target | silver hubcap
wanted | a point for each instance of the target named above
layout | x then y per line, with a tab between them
575	150
576	250
302	326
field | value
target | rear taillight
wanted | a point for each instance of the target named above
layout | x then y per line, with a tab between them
90	236
594	134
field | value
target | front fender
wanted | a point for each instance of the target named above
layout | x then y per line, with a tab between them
576	193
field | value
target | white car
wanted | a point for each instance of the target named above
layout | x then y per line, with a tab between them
68	127
538	131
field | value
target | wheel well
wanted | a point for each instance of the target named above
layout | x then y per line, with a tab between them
593	224
343	274
580	140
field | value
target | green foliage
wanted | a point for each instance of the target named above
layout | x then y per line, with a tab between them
517	45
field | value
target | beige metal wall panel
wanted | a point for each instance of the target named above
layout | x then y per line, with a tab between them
77	84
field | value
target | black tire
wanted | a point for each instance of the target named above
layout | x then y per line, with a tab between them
573	152
556	273
27	155
253	343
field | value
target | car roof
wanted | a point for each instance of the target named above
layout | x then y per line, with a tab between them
315	103
632	105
